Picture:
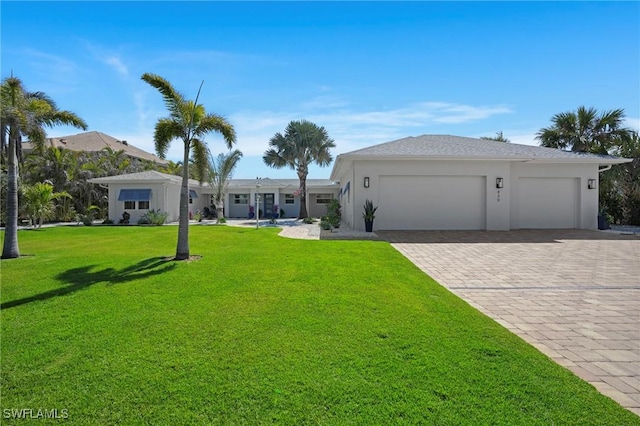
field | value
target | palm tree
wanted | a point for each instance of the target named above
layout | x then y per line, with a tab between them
584	130
52	164
220	171
302	144
38	201
189	122
26	114
173	168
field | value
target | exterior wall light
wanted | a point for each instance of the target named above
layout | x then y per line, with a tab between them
366	181
499	183
591	184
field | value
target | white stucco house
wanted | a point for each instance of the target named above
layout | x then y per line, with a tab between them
136	193
442	182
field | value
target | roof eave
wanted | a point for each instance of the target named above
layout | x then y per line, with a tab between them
527	159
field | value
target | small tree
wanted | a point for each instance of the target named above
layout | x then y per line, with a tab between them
39	202
334	215
220	172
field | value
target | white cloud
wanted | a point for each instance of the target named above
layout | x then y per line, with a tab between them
117	65
353	129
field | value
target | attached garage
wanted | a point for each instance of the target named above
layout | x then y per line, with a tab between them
443	182
432	202
547	203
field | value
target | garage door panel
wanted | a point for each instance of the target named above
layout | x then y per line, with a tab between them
432	202
547	203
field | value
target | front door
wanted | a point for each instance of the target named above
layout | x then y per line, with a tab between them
268	205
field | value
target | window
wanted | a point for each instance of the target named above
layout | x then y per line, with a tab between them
323	198
192	194
289	199
134	195
130	196
240	198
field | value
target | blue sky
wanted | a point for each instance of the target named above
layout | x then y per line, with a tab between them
369	72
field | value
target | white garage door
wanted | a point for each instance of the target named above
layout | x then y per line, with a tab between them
431	202
547	203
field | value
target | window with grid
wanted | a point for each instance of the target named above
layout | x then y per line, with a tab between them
240	198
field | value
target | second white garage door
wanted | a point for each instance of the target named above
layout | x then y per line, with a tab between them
547	203
431	202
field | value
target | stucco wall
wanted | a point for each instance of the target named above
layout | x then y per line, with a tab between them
496	207
116	208
500	206
290	210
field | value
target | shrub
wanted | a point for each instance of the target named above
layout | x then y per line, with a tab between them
333	215
153	217
309	220
107	222
222	220
325	224
86	219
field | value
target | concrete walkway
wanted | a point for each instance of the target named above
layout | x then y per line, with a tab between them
291	228
574	295
294	228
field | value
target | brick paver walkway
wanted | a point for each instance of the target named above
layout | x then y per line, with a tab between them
574	295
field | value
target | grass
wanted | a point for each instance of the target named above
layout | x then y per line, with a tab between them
262	329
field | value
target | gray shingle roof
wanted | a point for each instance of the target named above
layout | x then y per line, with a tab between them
278	183
442	146
154	176
97	141
146	176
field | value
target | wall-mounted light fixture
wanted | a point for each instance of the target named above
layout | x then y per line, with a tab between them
591	184
499	183
366	181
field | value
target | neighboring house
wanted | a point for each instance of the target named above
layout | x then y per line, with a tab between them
96	142
279	192
434	182
136	193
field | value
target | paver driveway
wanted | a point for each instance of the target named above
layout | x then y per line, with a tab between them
574	295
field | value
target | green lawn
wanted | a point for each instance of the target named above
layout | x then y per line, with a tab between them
262	329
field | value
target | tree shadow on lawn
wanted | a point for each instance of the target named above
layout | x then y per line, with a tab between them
83	277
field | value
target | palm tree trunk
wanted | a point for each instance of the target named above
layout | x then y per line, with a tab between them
10	248
303	196
182	251
219	209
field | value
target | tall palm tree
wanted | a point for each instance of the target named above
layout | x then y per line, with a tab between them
26	114
220	171
302	144
189	122
584	130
